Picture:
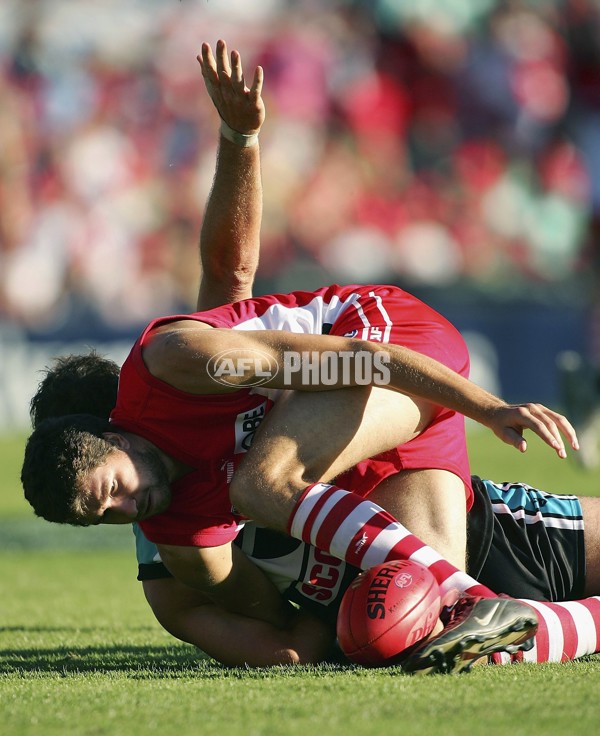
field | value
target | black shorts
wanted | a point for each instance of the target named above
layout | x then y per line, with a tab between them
525	542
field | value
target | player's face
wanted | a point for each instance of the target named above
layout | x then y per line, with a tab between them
132	485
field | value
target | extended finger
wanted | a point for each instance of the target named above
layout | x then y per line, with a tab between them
257	83
565	426
223	68
513	437
237	76
208	64
536	419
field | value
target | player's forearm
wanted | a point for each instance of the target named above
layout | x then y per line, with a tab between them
426	378
187	357
300	362
325	362
253	597
228	579
230	234
235	640
350	362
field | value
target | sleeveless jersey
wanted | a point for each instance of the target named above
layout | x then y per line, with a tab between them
211	433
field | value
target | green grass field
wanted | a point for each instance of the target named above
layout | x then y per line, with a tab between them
80	652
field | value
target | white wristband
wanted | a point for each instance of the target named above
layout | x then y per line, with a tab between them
240	139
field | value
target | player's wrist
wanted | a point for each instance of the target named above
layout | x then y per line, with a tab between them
243	140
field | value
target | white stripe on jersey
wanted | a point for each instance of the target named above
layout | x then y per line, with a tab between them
384	314
509	485
537	518
309	318
306	319
364	320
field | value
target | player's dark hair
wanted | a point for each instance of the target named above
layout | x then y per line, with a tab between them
60	452
76	384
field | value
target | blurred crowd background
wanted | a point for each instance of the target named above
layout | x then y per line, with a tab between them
449	146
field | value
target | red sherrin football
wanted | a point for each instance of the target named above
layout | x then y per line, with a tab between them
385	610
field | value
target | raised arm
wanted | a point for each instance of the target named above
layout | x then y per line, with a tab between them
230	234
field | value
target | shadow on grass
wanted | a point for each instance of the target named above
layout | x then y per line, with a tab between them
132	661
105	659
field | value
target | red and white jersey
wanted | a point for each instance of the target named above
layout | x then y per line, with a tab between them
211	433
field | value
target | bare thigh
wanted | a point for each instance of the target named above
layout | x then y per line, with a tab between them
312	437
591	521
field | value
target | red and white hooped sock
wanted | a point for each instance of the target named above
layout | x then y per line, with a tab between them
362	533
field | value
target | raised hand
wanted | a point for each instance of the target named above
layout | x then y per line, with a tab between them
508	422
242	108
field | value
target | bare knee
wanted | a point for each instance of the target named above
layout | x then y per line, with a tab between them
266	489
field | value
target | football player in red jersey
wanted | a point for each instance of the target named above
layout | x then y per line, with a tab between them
185	558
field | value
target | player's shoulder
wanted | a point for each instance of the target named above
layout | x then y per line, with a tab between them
171	339
171	329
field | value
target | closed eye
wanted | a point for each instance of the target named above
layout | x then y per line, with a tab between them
112	492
